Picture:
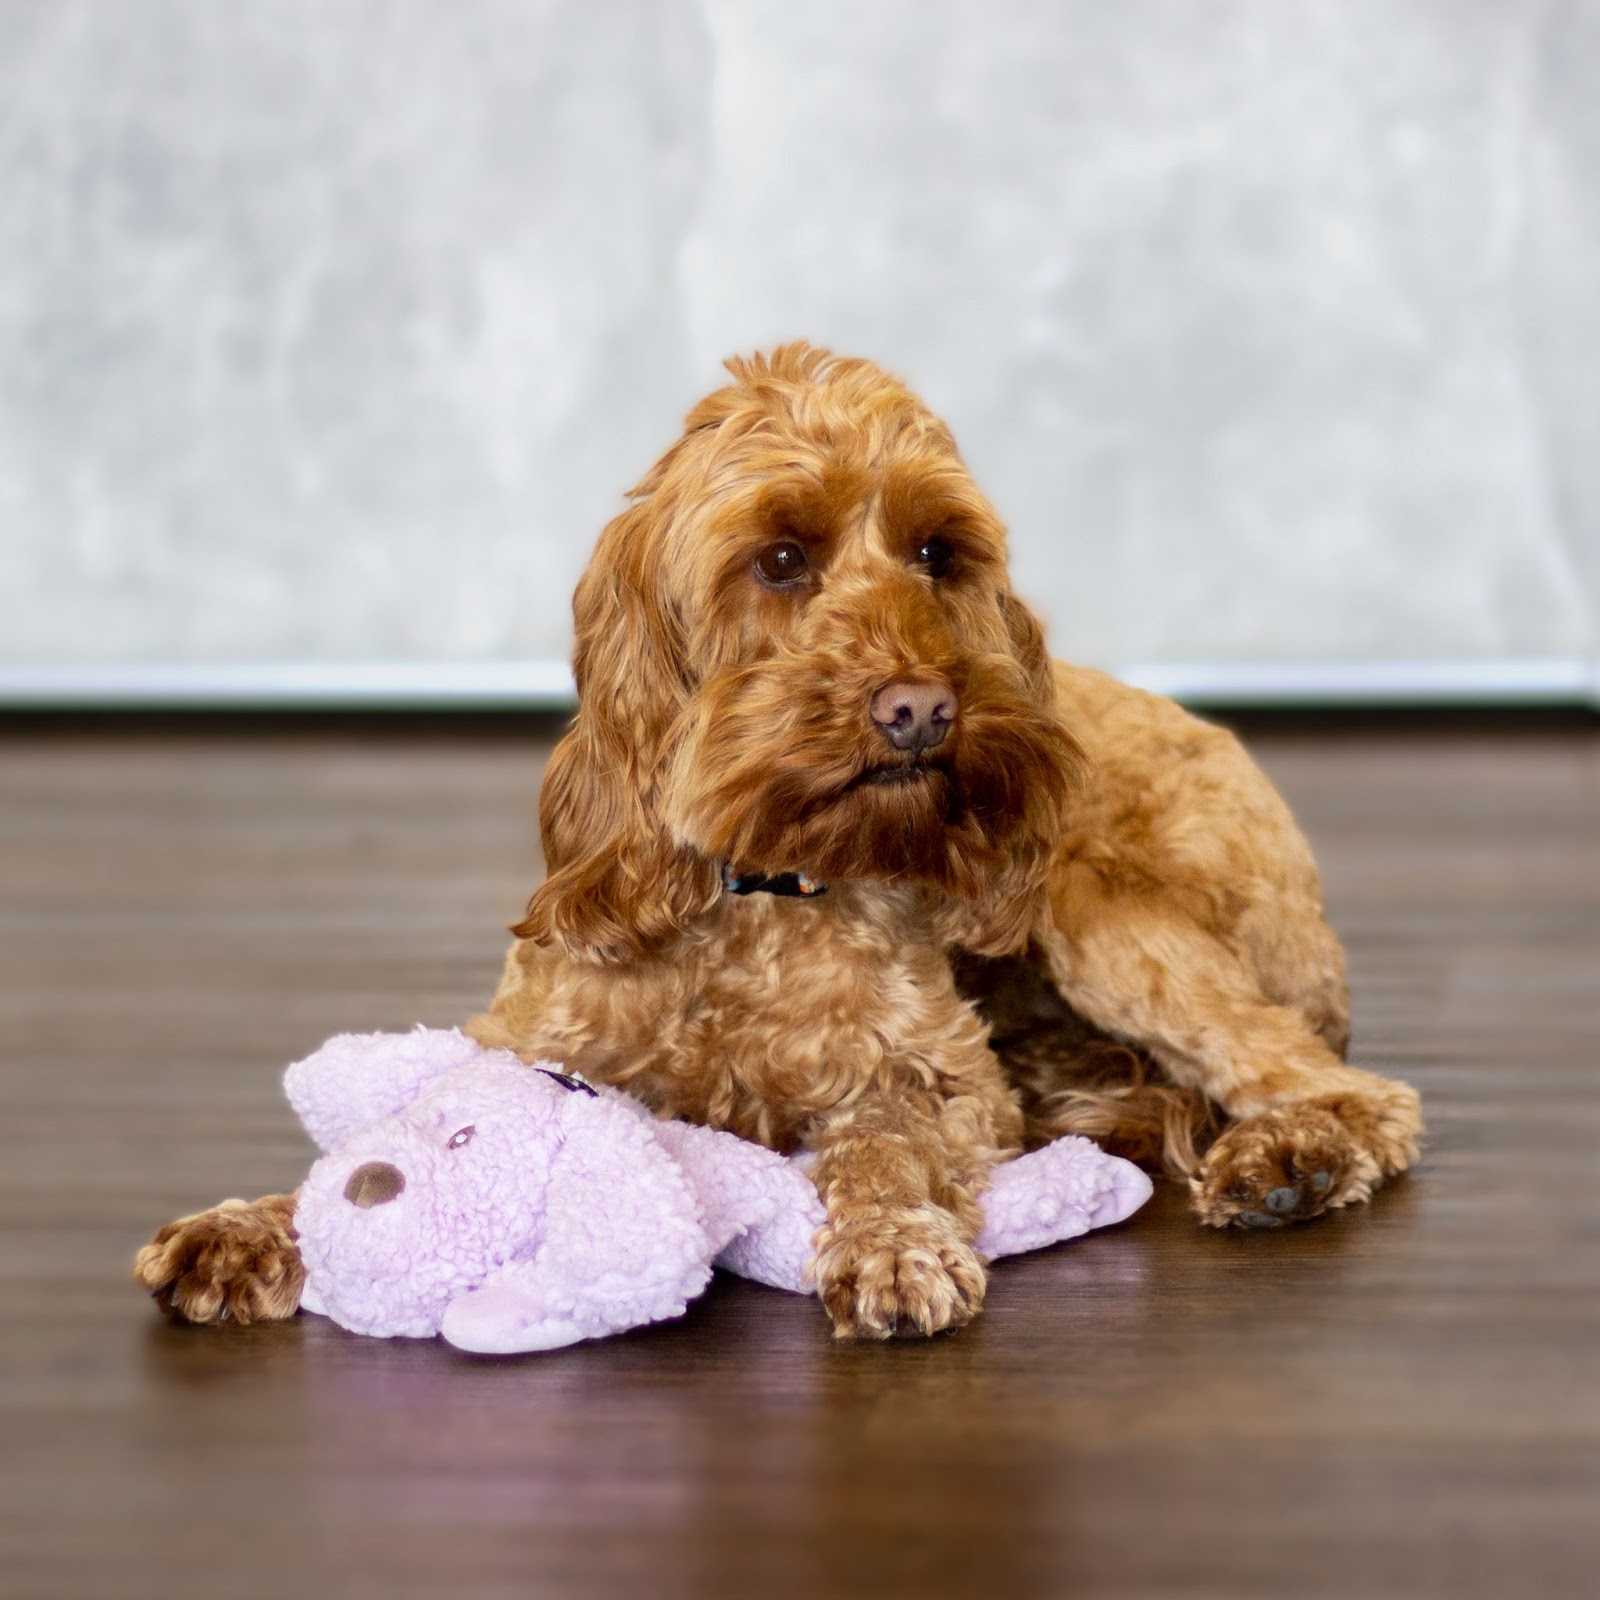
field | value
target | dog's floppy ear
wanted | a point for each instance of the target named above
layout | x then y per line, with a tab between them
1001	918
617	885
1028	646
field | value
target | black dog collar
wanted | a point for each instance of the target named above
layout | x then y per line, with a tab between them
571	1081
794	884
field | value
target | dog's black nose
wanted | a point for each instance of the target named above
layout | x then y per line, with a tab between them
914	716
375	1184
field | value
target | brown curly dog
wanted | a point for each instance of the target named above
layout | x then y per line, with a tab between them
838	859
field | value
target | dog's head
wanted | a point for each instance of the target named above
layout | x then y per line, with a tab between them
798	650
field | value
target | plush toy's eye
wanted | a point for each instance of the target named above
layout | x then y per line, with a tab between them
460	1137
935	557
782	564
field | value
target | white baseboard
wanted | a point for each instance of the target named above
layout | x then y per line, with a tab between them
292	686
1553	681
547	685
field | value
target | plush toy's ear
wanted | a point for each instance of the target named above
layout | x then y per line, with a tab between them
622	1243
357	1079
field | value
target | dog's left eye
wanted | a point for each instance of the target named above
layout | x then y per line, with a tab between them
460	1137
782	564
935	557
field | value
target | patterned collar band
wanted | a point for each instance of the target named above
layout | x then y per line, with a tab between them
794	884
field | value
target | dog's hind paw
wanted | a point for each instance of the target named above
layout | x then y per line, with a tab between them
1285	1165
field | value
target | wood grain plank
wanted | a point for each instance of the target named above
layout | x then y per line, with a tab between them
1400	1401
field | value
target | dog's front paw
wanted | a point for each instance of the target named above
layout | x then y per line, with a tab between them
236	1262
905	1272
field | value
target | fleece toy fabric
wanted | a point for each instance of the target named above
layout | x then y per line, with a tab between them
513	1208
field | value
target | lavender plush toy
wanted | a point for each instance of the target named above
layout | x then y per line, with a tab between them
513	1208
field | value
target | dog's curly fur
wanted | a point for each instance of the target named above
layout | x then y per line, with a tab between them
1084	911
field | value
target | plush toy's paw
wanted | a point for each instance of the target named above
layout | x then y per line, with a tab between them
1057	1192
504	1319
1299	1160
904	1272
236	1262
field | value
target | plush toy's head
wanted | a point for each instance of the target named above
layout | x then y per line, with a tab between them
448	1168
428	1202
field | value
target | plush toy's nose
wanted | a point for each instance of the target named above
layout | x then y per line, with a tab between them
375	1184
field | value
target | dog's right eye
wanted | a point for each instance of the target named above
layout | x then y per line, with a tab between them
782	564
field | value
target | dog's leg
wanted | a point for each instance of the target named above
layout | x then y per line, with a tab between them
237	1262
895	1255
1309	1133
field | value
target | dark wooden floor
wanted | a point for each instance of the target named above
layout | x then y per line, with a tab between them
1400	1401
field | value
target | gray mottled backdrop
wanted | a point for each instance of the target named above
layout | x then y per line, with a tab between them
335	328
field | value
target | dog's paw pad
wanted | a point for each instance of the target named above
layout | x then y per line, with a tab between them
1258	1219
1289	1202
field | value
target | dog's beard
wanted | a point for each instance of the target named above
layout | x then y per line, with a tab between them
773	778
